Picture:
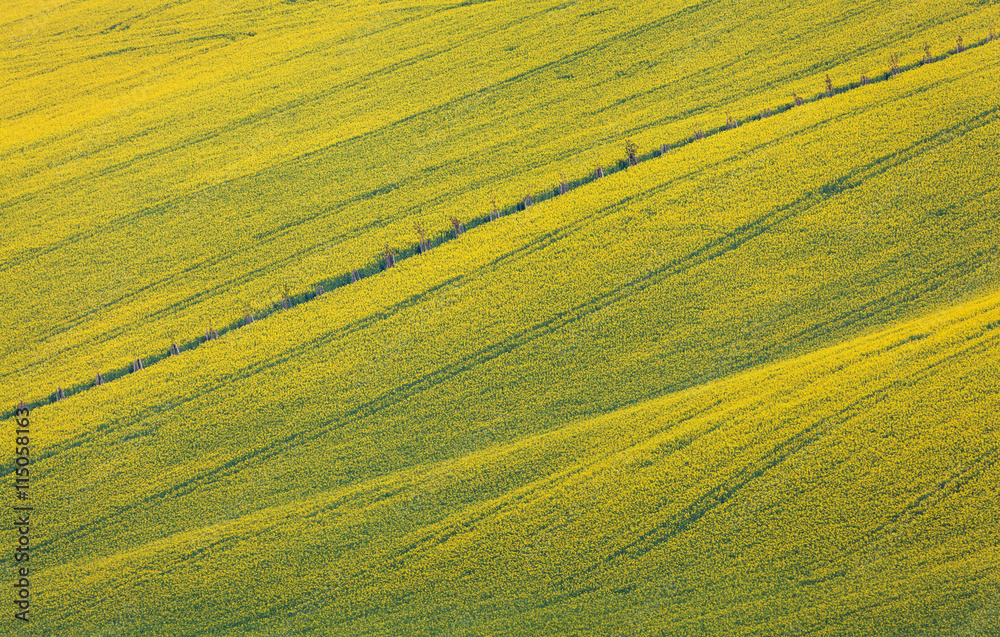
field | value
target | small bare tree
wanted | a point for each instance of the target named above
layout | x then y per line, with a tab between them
830	92
927	57
457	226
390	258
631	152
424	245
959	46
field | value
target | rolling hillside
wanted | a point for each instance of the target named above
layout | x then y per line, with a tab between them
743	388
166	168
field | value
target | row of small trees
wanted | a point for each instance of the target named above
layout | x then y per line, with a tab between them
458	228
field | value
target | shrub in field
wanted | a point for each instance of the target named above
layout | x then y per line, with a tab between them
424	245
457	226
830	91
927	58
893	65
631	153
959	46
390	258
798	101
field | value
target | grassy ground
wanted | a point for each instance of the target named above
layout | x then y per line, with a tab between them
743	387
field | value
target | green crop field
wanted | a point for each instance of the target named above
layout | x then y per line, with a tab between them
744	387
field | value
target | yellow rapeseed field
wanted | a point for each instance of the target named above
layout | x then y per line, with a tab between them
743	388
174	164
